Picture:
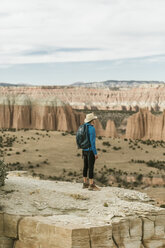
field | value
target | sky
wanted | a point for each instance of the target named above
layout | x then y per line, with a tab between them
60	42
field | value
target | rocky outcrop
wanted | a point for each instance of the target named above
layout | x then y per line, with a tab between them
129	98
63	215
109	131
144	125
48	114
17	112
139	232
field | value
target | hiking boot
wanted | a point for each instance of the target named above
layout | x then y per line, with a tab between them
93	187
85	185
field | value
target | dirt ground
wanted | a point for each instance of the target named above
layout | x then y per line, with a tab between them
54	155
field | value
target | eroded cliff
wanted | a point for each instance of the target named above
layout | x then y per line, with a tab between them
22	111
151	96
145	125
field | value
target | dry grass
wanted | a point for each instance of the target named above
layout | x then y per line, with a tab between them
79	197
53	155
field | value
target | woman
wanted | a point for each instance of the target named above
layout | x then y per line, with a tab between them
90	154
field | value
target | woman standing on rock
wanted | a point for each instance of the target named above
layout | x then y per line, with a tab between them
90	154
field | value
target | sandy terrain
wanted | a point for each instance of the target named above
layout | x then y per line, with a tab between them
54	155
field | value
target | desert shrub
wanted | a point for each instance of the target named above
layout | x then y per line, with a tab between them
162	206
105	204
72	133
100	137
79	197
3	172
103	150
45	162
116	148
31	166
106	143
64	134
156	164
138	161
70	173
102	179
139	177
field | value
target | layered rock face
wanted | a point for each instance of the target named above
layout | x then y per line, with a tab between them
46	232
109	131
63	215
48	113
144	125
151	96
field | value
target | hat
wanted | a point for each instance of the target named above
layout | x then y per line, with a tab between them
90	117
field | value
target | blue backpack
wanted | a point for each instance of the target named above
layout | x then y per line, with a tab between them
82	137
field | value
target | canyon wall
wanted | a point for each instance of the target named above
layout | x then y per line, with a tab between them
61	118
48	113
50	108
144	125
151	96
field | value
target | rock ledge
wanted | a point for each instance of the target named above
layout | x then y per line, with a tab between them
47	214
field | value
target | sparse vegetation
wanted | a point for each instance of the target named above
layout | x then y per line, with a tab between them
105	204
116	148
112	168
106	143
79	197
3	172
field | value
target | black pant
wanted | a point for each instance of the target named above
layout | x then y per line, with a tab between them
89	161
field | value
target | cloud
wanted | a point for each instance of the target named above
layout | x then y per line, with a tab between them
51	51
43	31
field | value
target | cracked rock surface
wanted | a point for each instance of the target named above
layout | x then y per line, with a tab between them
35	211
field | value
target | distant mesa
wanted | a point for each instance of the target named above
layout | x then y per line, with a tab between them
112	95
117	83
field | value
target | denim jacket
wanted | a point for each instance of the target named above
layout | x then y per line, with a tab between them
92	138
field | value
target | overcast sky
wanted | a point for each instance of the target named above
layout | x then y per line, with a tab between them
64	41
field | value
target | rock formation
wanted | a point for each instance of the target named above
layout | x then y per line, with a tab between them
49	114
109	131
144	125
131	98
63	215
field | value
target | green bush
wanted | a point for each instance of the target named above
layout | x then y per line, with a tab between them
3	173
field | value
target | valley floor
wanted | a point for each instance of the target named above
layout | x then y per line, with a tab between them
54	155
